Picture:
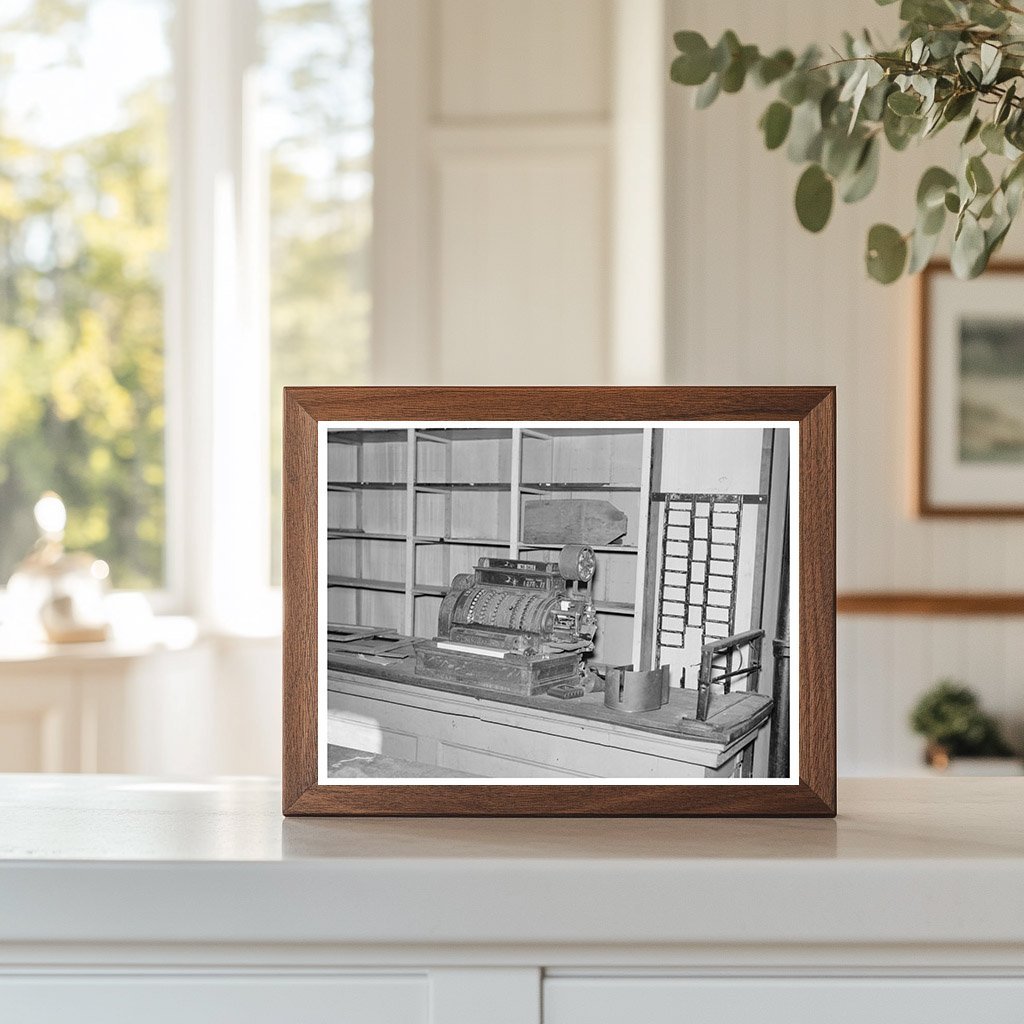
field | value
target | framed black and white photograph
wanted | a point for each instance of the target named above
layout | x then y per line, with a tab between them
971	393
551	608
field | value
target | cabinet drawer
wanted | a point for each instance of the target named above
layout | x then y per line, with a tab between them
202	999
672	1000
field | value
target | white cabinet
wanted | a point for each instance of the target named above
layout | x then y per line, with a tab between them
98	707
217	999
824	1000
127	899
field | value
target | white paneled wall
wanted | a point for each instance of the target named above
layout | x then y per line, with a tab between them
550	209
507	137
754	299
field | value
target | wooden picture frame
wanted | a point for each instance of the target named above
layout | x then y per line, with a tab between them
807	413
942	489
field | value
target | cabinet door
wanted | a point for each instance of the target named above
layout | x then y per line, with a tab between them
206	999
783	1000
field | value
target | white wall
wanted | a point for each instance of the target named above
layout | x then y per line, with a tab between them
518	210
754	299
507	134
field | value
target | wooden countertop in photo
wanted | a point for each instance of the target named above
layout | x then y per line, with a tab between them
730	716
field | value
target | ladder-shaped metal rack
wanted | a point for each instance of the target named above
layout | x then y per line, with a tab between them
699	563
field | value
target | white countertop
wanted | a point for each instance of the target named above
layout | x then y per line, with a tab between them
121	859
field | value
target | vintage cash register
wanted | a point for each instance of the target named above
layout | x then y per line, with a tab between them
515	626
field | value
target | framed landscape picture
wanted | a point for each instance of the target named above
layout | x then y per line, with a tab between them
573	601
970	451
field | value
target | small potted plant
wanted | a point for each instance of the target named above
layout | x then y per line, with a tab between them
950	718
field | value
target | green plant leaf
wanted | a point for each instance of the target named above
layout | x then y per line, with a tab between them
1005	105
725	49
771	69
1013	187
931	191
840	152
958	106
952	202
805	133
794	88
987	15
775	124
973	130
874	103
993	138
991	57
886	254
968	255
735	74
904	103
707	93
865	173
814	195
693	65
922	247
900	130
978	176
931	221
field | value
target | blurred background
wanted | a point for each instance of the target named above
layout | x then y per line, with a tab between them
202	201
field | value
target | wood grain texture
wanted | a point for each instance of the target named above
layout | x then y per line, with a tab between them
812	407
924	603
923	503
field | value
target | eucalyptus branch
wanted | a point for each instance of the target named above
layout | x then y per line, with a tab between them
955	61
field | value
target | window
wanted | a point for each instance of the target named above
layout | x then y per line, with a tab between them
237	216
83	235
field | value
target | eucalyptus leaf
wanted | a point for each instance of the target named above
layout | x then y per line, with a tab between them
993	138
954	60
991	60
1005	105
865	174
691	68
978	176
987	15
775	124
805	133
873	106
840	152
794	88
904	103
1013	186
771	69
958	105
886	253
724	51
932	220
931	191
735	74
707	93
968	247
973	130
900	130
922	248
814	196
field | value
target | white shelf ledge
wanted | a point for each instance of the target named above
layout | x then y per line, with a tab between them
936	862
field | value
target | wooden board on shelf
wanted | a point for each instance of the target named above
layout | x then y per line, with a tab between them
573	521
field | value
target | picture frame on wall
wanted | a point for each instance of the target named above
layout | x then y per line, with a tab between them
970	382
559	601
